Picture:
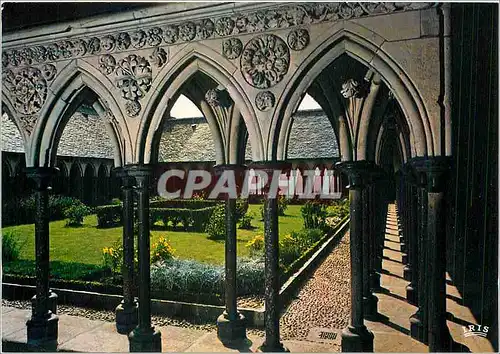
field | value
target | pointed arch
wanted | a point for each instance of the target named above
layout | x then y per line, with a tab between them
364	46
75	83
193	58
8	109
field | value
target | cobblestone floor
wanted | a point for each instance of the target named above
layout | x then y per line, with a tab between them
324	301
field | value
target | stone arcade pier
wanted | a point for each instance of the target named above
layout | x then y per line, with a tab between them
382	73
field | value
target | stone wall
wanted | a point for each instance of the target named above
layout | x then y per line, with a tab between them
187	139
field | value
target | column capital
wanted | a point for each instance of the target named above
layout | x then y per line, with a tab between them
269	166
359	173
435	170
122	172
41	175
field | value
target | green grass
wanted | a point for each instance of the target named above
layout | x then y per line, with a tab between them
84	244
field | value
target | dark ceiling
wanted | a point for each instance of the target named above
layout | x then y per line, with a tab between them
22	15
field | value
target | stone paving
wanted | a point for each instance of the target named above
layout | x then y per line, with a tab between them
324	301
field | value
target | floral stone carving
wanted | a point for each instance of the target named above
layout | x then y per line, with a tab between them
265	101
350	89
265	61
212	97
298	39
27	88
231	48
107	64
49	71
159	57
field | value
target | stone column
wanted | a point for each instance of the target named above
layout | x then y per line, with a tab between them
405	246
144	338
439	337
418	321
356	337
231	325
272	342
42	327
126	311
412	288
376	205
369	300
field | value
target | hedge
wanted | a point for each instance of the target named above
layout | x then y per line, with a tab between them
184	203
191	219
109	215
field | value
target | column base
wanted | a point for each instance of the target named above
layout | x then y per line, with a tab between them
370	307
417	330
144	341
43	332
411	294
375	282
52	303
357	339
230	332
126	317
273	348
407	272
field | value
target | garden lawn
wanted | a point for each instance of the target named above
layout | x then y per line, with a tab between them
84	244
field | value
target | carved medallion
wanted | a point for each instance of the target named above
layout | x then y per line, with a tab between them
187	31
298	39
133	77
264	101
107	64
224	26
123	41
138	39
154	36
231	48
94	45
28	89
171	34
108	43
265	61
159	57
204	29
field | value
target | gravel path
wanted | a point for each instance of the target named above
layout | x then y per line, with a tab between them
324	301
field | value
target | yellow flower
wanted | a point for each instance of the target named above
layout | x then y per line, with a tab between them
105	250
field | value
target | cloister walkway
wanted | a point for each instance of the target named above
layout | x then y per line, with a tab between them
391	330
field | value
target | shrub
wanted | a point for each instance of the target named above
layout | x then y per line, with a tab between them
113	258
116	201
256	245
216	227
241	208
75	214
183	203
58	270
246	222
189	276
109	215
190	219
161	251
294	245
314	214
11	248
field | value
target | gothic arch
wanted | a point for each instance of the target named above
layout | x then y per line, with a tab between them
74	83
8	108
192	59
365	47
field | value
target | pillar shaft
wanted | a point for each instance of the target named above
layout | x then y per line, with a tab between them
126	312
412	289
230	250
369	300
43	325
356	337
144	338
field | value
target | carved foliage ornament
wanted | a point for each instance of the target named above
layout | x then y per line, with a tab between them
265	101
298	39
265	61
350	89
212	97
27	88
231	48
279	17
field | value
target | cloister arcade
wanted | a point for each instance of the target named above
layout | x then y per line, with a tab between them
380	71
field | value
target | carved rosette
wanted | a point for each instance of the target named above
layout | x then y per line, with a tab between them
28	122
265	61
298	39
280	17
350	89
232	48
133	78
265	101
27	89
